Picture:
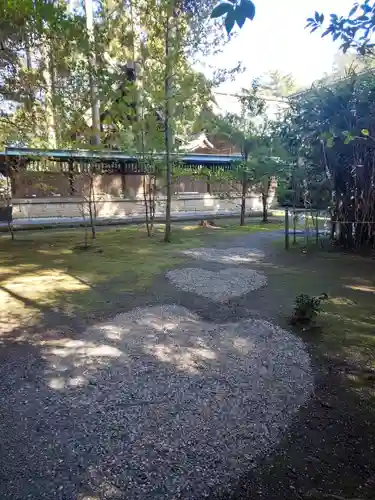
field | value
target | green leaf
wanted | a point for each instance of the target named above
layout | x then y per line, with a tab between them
240	16
248	8
353	10
222	9
330	142
364	131
229	21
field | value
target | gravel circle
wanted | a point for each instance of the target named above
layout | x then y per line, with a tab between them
166	405
235	255
219	286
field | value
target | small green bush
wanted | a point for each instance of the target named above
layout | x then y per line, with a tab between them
306	308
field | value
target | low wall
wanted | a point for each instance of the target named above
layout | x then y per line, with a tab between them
30	208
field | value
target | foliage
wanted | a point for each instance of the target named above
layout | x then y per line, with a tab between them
353	31
262	152
276	84
307	308
235	12
45	71
329	131
241	128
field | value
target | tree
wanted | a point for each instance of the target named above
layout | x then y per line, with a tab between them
353	31
88	206
6	199
241	131
266	171
278	85
95	103
330	129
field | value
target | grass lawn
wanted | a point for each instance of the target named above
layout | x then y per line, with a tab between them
46	269
346	327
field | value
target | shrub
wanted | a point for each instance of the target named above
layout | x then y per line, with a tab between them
307	308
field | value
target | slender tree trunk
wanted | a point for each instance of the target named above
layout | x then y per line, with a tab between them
49	98
95	103
167	125
265	198
265	207
31	97
243	200
52	71
8	199
146	200
92	205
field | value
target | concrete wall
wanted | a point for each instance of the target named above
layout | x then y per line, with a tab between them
110	207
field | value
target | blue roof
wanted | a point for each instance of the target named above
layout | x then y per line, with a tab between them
86	154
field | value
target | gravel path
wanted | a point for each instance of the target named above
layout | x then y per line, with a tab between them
231	255
218	286
162	401
157	404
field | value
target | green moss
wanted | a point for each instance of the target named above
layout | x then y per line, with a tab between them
52	269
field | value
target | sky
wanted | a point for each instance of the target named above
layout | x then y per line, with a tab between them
277	39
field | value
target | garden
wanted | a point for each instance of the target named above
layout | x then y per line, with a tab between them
223	358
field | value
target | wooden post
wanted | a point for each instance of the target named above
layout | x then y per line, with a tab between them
286	229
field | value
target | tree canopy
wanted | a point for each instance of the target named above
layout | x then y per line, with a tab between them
47	72
329	131
355	30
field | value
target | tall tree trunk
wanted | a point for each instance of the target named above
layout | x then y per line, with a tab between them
167	124
265	196
31	97
265	207
243	200
52	71
95	103
92	205
49	98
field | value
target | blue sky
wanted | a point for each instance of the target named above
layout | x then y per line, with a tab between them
277	39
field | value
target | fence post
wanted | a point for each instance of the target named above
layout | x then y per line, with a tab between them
286	229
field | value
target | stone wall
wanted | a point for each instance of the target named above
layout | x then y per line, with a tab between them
49	194
26	184
109	207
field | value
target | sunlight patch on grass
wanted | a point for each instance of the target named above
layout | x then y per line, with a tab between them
42	269
361	288
190	227
51	269
41	286
341	301
22	296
